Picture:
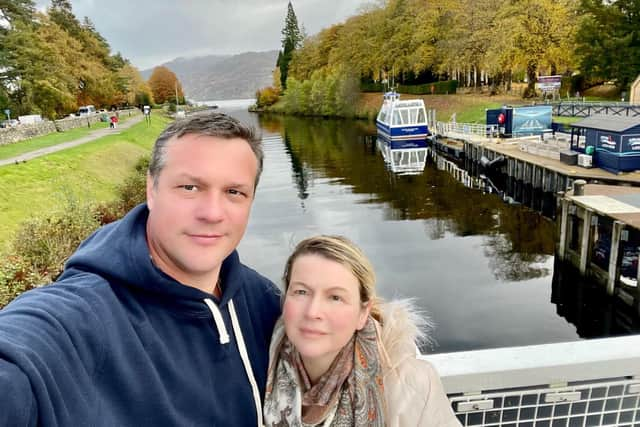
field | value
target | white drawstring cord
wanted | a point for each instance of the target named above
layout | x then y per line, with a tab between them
217	317
245	360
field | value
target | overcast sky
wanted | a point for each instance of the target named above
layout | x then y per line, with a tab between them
151	32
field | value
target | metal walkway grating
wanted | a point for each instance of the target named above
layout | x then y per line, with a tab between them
602	403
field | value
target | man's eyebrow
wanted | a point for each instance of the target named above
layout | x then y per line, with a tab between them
191	178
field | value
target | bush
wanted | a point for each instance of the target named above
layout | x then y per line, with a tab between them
267	96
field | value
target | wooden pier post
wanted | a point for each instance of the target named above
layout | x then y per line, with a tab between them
586	237
616	233
563	229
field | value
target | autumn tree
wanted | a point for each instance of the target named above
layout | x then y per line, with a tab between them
164	83
291	39
136	89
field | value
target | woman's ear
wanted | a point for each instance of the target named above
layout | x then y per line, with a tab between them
364	314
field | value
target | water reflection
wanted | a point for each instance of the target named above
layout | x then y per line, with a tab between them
408	158
482	268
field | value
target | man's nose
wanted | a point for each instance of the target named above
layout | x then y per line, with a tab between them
211	207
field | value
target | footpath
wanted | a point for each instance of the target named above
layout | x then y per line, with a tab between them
63	146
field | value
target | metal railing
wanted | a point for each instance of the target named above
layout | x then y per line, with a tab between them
584	383
445	128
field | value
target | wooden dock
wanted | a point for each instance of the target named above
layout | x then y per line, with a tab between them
599	224
599	233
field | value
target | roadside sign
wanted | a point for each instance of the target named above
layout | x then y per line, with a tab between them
549	83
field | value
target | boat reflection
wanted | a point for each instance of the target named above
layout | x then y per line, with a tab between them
405	157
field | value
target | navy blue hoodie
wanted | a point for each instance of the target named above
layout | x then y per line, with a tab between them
116	342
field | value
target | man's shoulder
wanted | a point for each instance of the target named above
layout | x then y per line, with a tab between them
75	296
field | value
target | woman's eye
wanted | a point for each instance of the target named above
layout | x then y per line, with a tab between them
299	292
336	298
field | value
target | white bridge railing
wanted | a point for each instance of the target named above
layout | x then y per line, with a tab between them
584	383
484	131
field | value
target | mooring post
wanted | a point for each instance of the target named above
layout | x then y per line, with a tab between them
616	233
563	228
586	237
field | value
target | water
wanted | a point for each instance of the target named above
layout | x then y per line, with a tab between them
483	270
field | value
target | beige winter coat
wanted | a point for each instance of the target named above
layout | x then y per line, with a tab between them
412	388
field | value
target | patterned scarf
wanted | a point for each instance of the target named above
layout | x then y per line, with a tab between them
351	391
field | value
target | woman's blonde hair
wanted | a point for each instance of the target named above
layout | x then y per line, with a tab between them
344	251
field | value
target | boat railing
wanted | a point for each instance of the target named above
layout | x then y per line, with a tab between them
584	383
483	130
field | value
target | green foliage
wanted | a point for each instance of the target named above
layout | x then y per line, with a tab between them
46	243
291	39
326	93
609	40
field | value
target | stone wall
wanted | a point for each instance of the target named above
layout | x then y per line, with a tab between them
23	132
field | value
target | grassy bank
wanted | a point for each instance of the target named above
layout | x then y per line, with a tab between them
90	171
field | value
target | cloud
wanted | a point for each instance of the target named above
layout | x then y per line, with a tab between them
150	32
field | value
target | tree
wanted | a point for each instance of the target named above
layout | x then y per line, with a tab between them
15	10
163	83
291	40
609	40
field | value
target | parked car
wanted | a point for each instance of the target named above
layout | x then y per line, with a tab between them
86	110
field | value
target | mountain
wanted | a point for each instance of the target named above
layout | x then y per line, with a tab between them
217	77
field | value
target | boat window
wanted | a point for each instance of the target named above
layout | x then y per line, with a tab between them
396	118
421	118
405	116
397	157
412	115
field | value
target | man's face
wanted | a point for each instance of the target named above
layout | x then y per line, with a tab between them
199	206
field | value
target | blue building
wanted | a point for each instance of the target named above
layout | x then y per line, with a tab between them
614	141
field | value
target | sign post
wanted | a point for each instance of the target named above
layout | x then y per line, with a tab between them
7	112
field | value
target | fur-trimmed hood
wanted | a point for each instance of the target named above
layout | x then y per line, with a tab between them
404	328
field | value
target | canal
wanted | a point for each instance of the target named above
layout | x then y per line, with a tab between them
483	270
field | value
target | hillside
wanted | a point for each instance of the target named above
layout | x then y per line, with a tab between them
217	77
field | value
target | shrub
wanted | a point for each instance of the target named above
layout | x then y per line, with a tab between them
267	96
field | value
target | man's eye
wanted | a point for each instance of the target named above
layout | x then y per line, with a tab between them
235	192
190	187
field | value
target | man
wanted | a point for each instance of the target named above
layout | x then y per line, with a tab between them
154	322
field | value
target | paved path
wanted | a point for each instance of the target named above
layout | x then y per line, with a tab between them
64	145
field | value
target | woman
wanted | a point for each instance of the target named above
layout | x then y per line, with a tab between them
338	356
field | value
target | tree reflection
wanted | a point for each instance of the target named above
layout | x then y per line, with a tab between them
518	242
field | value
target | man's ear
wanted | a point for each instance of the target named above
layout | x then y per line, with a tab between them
150	191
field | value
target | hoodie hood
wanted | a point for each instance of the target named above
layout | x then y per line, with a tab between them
119	253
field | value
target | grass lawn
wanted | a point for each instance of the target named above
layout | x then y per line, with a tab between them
90	171
55	138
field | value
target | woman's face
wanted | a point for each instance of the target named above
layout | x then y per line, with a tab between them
322	309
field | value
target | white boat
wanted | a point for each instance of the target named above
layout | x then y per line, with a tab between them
402	121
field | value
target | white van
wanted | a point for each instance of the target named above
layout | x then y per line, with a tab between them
86	110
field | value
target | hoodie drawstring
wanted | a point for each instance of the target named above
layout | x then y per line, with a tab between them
217	317
245	360
242	348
